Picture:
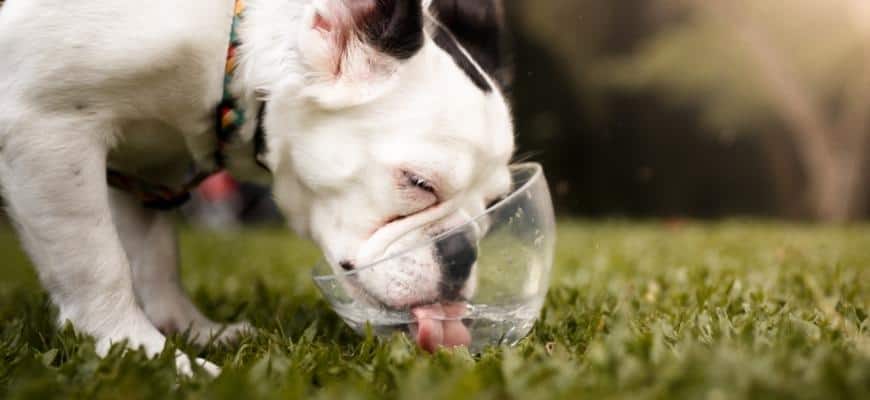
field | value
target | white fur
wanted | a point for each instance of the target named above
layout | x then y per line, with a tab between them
133	85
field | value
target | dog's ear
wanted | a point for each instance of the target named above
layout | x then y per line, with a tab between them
354	47
480	26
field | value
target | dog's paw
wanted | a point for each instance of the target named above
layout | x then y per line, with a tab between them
223	334
204	331
184	366
177	314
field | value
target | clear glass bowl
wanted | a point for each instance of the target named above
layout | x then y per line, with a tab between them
514	258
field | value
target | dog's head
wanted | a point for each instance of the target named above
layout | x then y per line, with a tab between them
398	134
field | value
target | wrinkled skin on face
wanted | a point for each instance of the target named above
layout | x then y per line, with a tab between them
382	149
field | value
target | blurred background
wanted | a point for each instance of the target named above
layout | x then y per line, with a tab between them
696	108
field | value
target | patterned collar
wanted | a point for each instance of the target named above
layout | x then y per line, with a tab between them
229	119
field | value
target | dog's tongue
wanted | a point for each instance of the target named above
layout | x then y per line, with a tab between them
436	327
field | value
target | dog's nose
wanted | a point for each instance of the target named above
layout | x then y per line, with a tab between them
457	254
347	265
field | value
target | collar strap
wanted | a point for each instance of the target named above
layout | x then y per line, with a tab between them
155	196
229	119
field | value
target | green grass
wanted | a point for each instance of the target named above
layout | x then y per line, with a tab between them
733	310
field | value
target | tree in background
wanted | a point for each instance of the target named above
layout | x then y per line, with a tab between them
753	64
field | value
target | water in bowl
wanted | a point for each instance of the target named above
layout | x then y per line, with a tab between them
490	325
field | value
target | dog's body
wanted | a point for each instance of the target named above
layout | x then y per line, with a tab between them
363	146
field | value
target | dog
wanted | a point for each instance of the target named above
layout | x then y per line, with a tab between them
382	123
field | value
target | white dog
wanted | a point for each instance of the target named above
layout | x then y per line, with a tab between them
379	129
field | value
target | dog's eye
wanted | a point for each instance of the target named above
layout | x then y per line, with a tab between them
419	182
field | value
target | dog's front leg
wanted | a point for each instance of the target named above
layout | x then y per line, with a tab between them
150	241
53	172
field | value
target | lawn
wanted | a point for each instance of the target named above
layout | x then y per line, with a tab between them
652	310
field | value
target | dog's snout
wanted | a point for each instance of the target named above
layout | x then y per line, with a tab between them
457	254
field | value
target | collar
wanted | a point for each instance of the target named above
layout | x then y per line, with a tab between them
229	119
229	116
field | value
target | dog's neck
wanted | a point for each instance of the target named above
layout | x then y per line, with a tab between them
267	61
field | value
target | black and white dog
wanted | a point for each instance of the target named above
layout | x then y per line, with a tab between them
384	124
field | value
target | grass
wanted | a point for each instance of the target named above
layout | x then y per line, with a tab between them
730	310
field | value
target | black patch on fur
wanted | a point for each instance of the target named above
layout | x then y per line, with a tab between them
446	42
260	138
394	27
480	27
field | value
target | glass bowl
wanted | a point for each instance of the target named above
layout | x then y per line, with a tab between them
511	278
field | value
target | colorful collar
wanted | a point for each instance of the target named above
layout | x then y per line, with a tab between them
229	119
